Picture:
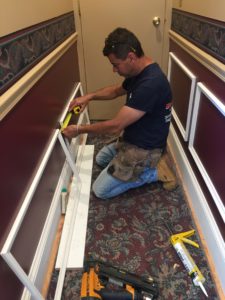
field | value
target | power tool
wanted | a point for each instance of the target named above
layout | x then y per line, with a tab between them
103	281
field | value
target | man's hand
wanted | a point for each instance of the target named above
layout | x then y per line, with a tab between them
80	101
107	93
71	131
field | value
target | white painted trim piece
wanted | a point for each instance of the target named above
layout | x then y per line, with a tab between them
68	154
63	181
42	250
77	197
184	131
77	249
68	226
209	228
178	122
15	266
40	261
81	139
182	65
30	282
217	103
194	115
5	252
13	95
218	201
82	154
20	216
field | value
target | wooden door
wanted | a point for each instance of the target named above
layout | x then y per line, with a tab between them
97	19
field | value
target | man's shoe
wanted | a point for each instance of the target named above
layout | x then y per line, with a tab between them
165	174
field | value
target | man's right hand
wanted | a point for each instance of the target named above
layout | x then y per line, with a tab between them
80	101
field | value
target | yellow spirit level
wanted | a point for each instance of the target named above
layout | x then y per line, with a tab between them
75	111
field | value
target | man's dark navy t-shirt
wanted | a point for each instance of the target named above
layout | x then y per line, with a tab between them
150	92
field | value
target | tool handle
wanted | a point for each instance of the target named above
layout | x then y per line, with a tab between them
107	294
89	298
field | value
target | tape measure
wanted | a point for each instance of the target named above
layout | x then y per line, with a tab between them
75	111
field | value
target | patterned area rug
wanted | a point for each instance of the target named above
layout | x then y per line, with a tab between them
131	231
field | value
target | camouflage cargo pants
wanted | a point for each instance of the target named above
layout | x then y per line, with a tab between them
125	167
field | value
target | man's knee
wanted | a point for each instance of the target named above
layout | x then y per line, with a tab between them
105	155
99	192
99	160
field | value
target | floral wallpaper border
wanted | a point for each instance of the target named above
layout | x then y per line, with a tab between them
20	51
207	34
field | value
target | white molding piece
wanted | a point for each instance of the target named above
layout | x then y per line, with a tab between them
74	229
30	280
209	228
184	131
13	264
69	223
21	214
13	95
76	254
77	249
40	261
211	63
201	88
6	250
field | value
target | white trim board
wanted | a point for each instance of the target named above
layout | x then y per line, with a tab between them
193	78
201	88
40	261
33	280
209	228
76	254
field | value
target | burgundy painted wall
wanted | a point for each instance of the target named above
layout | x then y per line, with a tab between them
209	143
25	133
214	162
181	90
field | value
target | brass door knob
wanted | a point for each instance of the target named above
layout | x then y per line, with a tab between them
156	21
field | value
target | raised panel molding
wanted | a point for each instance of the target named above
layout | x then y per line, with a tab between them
203	90
184	128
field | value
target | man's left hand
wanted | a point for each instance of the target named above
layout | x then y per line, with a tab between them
71	131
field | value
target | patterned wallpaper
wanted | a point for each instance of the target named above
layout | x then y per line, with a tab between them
20	51
207	34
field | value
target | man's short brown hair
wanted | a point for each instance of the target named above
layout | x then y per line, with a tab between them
120	42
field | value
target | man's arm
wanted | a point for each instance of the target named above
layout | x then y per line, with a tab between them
107	93
125	117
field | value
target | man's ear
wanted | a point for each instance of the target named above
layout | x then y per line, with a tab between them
132	56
